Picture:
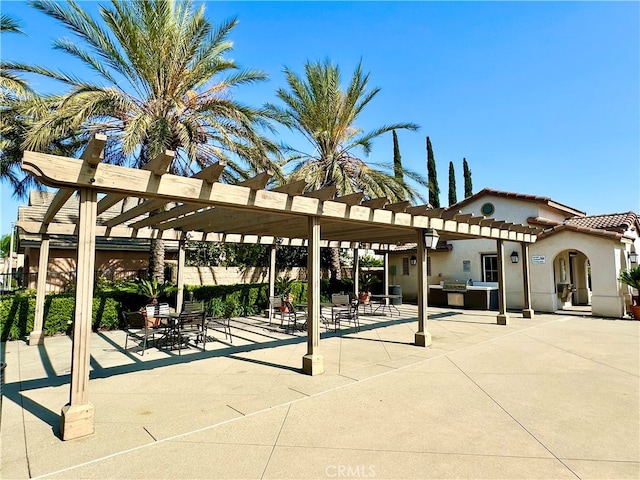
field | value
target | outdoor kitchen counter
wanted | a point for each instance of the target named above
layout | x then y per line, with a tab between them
475	297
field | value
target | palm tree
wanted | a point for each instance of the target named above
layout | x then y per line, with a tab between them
19	106
326	116
165	84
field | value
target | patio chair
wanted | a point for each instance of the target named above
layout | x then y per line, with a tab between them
136	325
217	323
343	308
274	307
288	314
190	321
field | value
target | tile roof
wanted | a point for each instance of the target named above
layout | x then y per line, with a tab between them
613	225
618	222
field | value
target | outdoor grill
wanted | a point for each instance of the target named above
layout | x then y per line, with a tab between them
458	286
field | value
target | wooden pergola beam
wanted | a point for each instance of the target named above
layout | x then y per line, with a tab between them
258	182
352	199
398	207
167	215
434	213
376	202
212	173
93	153
418	209
326	193
144	207
293	188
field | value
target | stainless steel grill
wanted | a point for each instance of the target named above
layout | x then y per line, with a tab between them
455	285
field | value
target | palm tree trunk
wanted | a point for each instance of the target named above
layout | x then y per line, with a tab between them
156	260
335	268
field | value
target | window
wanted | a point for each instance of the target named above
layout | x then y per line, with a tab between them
487	209
405	266
490	268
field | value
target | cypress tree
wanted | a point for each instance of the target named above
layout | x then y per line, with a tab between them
453	198
432	178
397	160
468	185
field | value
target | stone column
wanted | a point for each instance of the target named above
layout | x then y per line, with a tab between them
180	275
503	317
313	362
36	337
77	418
527	311
422	337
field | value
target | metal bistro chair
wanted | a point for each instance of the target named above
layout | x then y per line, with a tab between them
343	308
191	320
136	326
288	313
217	323
274	307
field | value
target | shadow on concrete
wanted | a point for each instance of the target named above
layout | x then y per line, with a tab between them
14	391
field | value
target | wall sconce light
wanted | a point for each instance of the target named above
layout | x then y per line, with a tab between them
431	238
633	257
413	260
514	257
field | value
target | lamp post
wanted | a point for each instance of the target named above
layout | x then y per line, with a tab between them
431	238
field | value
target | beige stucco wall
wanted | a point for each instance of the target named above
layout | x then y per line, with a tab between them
62	265
233	275
606	257
511	210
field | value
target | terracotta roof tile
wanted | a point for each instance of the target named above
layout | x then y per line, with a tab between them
617	222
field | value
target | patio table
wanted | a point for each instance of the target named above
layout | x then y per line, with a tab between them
384	303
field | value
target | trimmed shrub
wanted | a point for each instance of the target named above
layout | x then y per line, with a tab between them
17	312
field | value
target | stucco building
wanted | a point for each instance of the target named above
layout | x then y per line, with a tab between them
575	261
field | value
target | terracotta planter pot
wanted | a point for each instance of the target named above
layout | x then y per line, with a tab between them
635	309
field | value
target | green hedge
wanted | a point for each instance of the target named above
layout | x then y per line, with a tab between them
17	313
17	310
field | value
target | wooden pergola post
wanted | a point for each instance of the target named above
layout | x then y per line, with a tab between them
356	271
422	337
180	274
36	337
503	317
272	270
527	311
313	362
385	275
77	418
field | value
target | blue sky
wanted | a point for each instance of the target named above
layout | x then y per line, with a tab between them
540	98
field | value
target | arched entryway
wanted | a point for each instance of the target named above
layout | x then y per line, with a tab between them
572	274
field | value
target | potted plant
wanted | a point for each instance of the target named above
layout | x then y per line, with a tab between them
152	289
631	278
283	288
367	280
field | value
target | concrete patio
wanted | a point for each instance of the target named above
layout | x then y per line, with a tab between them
550	397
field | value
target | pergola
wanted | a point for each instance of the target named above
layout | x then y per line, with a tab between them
201	208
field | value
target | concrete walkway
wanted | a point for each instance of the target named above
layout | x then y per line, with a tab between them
552	397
